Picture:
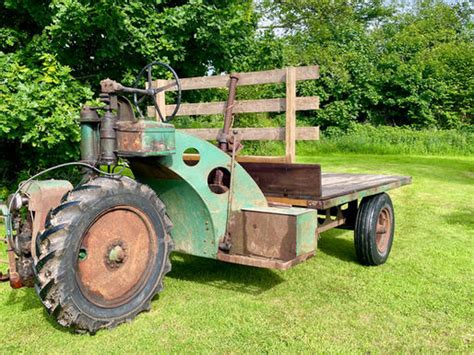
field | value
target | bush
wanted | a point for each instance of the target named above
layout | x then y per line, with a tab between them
39	109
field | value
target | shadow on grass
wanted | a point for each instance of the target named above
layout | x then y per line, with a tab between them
463	218
233	277
29	300
335	243
25	297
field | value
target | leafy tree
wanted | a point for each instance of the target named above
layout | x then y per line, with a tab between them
54	52
104	38
333	34
382	64
426	68
38	111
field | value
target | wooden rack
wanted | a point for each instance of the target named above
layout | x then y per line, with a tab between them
290	104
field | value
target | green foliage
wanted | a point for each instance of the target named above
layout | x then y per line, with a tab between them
382	66
368	139
379	64
427	69
39	108
116	38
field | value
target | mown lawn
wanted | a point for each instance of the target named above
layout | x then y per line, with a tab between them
420	300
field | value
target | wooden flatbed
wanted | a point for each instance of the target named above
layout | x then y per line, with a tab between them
338	188
304	185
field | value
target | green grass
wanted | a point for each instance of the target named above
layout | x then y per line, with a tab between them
420	300
383	140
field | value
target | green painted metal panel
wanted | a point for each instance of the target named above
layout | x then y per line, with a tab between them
160	133
198	214
145	138
89	141
306	239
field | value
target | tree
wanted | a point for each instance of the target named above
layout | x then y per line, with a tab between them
54	52
426	67
113	38
381	64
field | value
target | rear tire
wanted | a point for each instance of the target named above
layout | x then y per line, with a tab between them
374	229
103	254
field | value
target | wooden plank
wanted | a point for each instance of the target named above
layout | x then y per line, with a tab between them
341	196
257	134
336	185
287	201
150	111
286	180
243	158
244	106
290	132
260	159
334	196
251	78
160	99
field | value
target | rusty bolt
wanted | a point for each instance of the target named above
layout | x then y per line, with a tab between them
117	254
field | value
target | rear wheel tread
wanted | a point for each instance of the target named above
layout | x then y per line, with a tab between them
49	281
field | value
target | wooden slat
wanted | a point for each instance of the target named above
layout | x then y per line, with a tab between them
251	78
260	159
339	184
243	158
290	132
257	134
286	180
160	100
243	106
287	201
351	187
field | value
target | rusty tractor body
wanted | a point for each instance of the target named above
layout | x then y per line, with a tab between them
97	253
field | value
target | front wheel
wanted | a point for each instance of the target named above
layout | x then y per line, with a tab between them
103	255
374	229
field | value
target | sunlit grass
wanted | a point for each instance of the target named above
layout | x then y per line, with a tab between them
420	300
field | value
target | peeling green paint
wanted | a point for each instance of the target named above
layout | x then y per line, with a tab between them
198	214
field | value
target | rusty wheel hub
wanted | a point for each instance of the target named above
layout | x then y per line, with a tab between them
116	256
384	230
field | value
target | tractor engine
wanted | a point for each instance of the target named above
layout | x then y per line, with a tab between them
28	211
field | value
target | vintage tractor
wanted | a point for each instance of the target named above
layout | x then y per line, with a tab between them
97	253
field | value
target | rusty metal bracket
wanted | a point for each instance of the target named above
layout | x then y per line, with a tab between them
225	135
329	223
226	243
223	138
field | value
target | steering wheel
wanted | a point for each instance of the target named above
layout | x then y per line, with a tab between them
151	92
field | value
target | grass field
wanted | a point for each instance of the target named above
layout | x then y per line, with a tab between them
420	300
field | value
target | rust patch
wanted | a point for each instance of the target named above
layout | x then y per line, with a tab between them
116	256
40	203
261	262
129	141
383	230
270	235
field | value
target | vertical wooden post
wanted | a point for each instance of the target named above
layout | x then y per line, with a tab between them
290	128
160	99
